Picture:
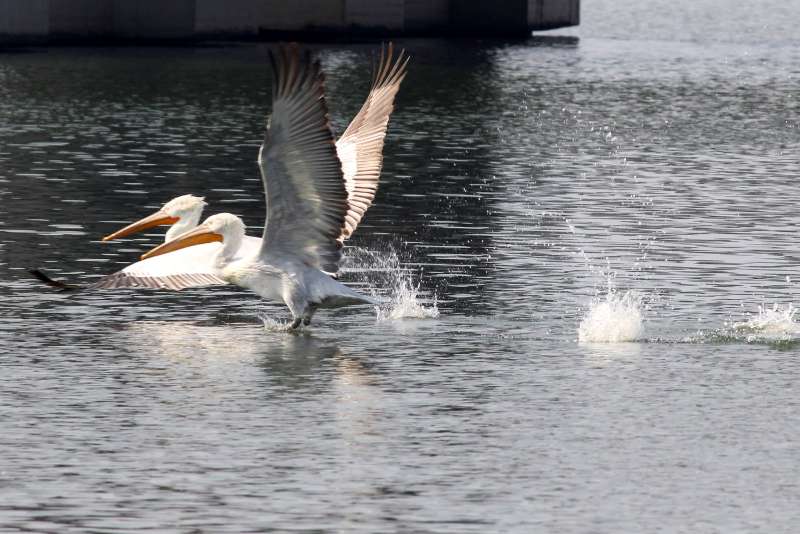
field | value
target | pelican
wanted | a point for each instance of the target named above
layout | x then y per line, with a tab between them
177	271
359	150
181	214
309	210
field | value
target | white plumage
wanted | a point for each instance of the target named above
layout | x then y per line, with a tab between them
317	191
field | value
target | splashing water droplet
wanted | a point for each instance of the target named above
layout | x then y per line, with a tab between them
772	326
405	304
775	322
383	271
274	325
614	318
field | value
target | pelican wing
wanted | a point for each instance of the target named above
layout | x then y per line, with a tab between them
361	146
303	183
181	269
175	282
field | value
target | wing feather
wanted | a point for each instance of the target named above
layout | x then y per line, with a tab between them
361	146
302	175
181	269
175	282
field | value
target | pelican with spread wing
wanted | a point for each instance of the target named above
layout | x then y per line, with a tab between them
308	211
358	153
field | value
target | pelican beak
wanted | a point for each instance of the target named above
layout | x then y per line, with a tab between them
157	219
198	236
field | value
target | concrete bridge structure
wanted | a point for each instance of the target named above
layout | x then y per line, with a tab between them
47	21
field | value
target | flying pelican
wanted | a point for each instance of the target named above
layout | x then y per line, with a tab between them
359	149
308	209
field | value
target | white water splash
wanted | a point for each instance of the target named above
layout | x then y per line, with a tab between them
406	304
382	273
275	325
613	318
772	326
769	324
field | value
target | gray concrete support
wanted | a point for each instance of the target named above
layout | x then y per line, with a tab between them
48	20
546	15
25	19
154	19
81	18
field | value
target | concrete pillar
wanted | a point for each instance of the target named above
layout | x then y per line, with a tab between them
293	15
248	16
547	14
386	14
495	17
233	16
24	19
421	15
81	18
154	19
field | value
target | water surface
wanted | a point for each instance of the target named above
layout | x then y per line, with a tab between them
655	153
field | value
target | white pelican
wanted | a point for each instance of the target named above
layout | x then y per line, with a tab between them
309	210
360	151
181	214
181	270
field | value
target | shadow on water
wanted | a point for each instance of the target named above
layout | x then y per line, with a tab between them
554	40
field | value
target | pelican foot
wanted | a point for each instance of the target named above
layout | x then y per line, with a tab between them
306	320
296	323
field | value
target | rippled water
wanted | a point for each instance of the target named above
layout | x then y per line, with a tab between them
528	187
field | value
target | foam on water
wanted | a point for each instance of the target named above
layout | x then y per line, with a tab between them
770	325
613	318
773	321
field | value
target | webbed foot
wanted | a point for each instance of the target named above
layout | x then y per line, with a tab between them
296	323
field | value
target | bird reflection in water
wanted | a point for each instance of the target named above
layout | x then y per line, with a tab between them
292	362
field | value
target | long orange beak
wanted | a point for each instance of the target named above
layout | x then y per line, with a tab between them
157	219
198	236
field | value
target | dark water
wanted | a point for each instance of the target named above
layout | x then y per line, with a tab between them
654	150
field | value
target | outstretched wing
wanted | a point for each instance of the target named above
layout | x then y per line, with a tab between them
175	282
142	274
181	269
302	175
360	148
188	267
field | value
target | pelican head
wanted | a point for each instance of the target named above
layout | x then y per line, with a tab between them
225	228
182	213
